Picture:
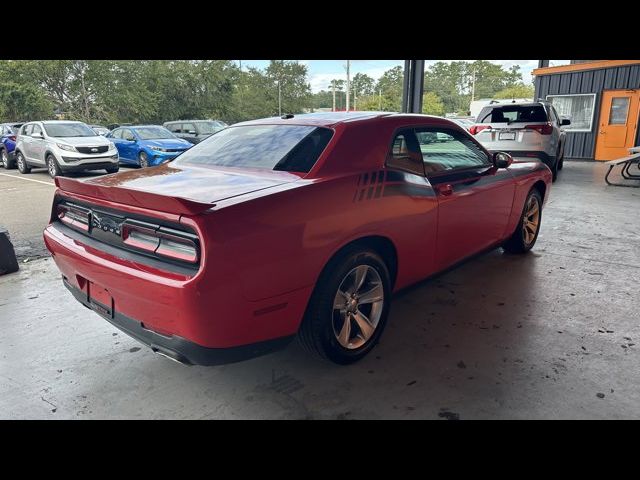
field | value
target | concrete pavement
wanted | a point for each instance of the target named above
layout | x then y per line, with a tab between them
553	334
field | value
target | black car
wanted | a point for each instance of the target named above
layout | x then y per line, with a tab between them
194	131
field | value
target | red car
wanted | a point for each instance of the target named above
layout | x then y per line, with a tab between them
302	225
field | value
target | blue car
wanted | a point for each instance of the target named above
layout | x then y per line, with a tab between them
8	133
147	145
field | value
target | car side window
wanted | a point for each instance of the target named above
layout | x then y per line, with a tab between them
405	154
36	129
128	135
26	130
116	134
188	127
175	127
445	150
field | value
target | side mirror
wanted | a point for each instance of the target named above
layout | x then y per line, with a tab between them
502	160
565	121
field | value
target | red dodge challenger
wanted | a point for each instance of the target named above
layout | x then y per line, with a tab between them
298	225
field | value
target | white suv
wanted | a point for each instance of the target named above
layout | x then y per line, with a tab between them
63	146
523	129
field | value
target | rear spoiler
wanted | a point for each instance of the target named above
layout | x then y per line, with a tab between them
135	198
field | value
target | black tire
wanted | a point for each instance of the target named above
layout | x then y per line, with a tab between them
143	160
518	242
317	332
561	159
554	169
52	167
113	169
22	163
4	159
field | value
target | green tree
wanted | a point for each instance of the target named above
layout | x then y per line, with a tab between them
390	84
23	102
295	91
517	91
362	84
432	105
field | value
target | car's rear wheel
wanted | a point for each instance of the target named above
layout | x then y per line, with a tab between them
526	233
349	307
6	163
560	158
52	167
22	163
143	159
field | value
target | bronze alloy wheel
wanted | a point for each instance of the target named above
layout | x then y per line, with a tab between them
357	307
531	219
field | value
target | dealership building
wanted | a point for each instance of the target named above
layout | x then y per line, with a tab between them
601	99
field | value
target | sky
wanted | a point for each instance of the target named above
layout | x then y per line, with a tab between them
321	72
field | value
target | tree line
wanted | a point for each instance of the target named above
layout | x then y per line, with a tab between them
154	91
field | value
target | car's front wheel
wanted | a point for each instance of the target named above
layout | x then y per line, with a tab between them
52	167
349	307
113	169
526	234
143	159
22	163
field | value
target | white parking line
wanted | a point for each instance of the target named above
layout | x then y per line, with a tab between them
27	179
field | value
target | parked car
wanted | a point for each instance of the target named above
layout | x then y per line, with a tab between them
524	129
301	225
100	130
63	146
8	133
194	131
465	123
147	145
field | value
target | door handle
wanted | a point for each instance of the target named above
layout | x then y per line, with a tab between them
445	189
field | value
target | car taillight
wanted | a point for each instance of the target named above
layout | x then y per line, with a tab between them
164	242
12	138
74	216
545	129
477	128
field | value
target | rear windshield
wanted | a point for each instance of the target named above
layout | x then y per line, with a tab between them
292	148
512	113
61	130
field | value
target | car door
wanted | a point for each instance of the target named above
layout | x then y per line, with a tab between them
189	131
407	191
37	145
25	140
116	138
474	197
129	145
176	129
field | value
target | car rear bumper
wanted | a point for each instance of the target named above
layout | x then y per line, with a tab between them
175	347
182	315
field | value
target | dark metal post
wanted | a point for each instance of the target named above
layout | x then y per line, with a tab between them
405	86
543	63
417	87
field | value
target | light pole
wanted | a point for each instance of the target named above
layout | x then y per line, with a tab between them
348	83
279	99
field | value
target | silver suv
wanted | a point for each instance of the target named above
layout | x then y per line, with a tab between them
63	146
523	129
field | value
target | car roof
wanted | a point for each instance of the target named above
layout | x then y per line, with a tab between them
517	104
140	126
194	121
328	119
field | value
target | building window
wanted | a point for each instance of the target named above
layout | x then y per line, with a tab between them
577	108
